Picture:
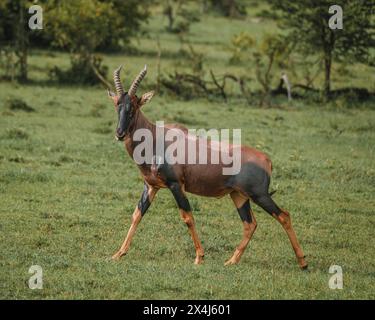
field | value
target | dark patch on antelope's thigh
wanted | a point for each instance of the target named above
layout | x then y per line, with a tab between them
252	179
255	181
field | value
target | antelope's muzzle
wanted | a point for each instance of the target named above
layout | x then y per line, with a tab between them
120	134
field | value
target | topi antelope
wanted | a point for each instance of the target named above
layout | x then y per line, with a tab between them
251	182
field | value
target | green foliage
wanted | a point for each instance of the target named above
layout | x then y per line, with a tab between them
266	54
14	37
229	8
82	70
127	22
83	27
80	26
94	24
242	47
267	14
307	23
10	22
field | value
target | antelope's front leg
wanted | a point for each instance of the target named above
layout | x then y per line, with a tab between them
187	217
146	199
249	225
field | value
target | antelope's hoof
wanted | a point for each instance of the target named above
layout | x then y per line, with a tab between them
302	263
117	256
305	267
198	260
230	262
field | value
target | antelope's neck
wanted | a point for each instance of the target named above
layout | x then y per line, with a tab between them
141	122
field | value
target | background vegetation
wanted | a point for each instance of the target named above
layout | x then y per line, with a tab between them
67	189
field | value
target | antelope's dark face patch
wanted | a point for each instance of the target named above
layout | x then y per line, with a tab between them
125	112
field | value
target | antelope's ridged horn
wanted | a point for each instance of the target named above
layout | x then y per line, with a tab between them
116	78
137	81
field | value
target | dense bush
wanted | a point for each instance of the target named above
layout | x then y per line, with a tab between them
81	71
80	27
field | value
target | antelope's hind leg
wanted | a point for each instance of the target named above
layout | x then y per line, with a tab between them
144	203
187	217
283	217
249	225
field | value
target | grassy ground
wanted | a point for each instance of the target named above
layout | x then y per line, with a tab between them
67	191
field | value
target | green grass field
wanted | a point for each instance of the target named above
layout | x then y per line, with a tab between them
67	190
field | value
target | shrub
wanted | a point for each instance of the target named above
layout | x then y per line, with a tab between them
81	71
15	104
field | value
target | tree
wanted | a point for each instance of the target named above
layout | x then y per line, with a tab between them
126	22
267	54
307	23
80	27
14	33
84	27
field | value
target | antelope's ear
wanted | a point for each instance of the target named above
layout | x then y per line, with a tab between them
146	98
111	94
